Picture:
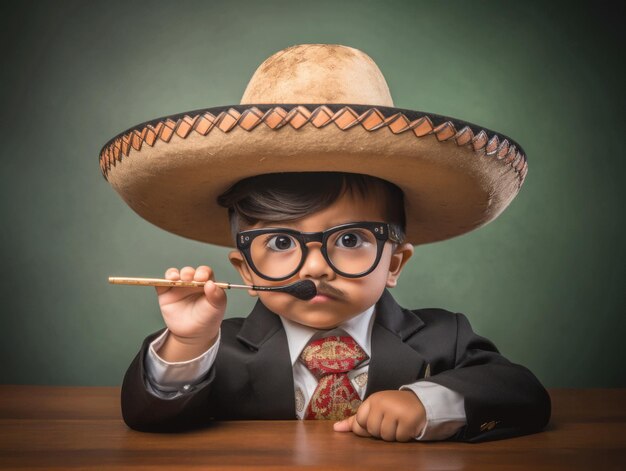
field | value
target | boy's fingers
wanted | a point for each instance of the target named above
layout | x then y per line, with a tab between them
351	425
374	424
404	433
362	414
359	424
389	429
186	274
357	429
203	273
172	274
344	425
214	295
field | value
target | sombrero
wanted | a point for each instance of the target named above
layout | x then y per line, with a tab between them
314	107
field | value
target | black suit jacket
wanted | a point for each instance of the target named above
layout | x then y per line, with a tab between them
252	375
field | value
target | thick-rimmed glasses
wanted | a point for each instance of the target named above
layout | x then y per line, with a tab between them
352	250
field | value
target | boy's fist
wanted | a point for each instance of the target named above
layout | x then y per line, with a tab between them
390	415
192	315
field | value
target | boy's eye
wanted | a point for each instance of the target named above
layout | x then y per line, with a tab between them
349	240
280	242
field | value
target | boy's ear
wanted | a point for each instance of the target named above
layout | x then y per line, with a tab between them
237	261
399	257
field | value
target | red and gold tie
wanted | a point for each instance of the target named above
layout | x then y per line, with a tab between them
329	359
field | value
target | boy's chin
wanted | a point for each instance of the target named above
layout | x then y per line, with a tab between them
321	326
320	316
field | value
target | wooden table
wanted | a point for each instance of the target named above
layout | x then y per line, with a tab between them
81	428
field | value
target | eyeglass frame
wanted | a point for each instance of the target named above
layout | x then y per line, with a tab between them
382	232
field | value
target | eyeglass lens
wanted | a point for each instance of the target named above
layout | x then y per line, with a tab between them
351	251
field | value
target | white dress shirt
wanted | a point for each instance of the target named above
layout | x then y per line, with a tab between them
445	409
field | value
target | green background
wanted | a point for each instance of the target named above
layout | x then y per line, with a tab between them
545	281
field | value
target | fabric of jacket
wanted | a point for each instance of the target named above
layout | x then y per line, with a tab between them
252	375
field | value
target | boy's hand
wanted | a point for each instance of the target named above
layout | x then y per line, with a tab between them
192	315
390	415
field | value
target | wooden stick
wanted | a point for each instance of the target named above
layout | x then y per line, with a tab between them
118	280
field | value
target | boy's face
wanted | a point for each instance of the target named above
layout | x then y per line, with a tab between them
347	297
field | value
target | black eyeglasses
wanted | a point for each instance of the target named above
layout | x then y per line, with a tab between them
352	250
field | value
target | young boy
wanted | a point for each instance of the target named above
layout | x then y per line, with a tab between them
303	204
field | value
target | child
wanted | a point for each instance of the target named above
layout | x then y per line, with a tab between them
304	204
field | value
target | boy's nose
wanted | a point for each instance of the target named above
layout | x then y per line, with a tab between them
315	265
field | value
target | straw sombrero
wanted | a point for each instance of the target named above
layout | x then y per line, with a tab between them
314	107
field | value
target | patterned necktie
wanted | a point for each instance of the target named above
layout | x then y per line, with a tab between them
329	359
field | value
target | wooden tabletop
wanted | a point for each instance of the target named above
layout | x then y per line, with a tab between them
81	428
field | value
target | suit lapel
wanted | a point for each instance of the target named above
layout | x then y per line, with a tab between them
269	370
393	362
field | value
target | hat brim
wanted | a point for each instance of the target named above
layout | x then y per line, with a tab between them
455	176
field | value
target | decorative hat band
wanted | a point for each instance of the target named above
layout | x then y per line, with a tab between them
344	117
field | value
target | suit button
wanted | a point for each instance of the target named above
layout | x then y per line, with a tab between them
488	426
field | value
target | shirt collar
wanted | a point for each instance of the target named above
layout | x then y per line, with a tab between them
359	328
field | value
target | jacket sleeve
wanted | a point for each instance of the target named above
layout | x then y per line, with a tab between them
502	399
145	411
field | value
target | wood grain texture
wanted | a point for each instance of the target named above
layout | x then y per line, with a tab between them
81	428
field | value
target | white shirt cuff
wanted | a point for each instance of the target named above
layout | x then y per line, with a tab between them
445	410
177	376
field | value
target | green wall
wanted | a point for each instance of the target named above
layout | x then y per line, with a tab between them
545	281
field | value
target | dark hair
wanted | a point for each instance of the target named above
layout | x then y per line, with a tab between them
286	196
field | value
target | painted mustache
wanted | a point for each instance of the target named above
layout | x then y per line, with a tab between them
329	290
